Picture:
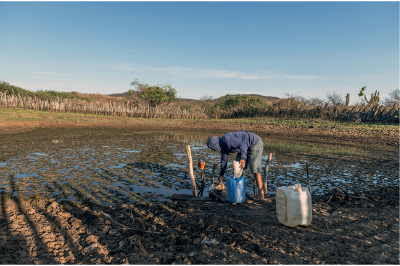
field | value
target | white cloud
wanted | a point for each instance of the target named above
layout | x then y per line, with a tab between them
300	77
125	67
217	73
280	75
211	73
51	73
190	72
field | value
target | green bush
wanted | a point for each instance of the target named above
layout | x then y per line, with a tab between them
43	95
154	95
13	90
186	107
239	101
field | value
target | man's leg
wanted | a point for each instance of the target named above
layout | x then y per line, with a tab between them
259	182
254	161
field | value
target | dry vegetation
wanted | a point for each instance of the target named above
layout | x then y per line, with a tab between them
108	105
132	104
100	97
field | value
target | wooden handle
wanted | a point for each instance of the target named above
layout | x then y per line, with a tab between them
308	178
192	176
266	168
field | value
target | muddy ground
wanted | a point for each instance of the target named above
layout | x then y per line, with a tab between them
343	231
363	230
384	138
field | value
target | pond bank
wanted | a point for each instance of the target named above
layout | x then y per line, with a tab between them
345	134
343	231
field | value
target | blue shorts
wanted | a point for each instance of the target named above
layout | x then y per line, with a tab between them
254	157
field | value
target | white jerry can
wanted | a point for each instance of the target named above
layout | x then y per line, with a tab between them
293	206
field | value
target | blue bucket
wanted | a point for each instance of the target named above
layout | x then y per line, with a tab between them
235	189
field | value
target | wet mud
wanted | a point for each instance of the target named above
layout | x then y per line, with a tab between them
91	196
384	138
364	230
117	166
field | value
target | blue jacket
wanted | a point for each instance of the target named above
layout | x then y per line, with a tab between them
233	142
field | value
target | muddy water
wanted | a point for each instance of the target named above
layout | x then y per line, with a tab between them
110	167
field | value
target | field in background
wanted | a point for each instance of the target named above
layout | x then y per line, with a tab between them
357	114
127	105
17	120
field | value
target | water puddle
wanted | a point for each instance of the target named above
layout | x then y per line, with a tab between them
293	165
126	170
172	165
118	166
40	154
132	151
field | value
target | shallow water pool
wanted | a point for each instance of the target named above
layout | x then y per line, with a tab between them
152	167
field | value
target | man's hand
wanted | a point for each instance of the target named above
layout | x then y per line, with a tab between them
242	163
220	178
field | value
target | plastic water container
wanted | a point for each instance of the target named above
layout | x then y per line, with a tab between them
235	189
237	171
293	206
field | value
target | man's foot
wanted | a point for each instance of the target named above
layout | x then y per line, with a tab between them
259	197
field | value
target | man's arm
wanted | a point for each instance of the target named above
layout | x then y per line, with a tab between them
224	162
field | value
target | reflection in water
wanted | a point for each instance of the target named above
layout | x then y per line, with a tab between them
153	166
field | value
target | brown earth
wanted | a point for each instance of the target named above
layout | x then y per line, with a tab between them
363	230
343	231
384	138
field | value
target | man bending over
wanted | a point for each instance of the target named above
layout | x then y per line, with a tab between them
249	148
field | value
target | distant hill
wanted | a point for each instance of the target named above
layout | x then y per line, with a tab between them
268	98
124	94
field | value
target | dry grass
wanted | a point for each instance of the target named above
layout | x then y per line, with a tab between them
112	106
100	97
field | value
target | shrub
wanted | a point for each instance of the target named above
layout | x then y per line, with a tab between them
154	94
239	101
335	98
394	98
187	107
287	103
43	95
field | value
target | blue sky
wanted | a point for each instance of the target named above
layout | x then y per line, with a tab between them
202	48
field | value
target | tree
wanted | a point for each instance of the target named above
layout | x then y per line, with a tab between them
314	101
361	94
335	98
154	94
206	97
242	101
394	98
295	99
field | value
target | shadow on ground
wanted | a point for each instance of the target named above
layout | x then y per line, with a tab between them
357	231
